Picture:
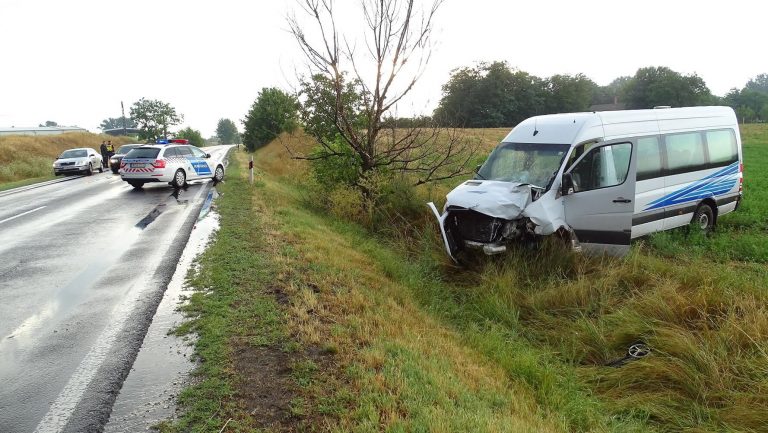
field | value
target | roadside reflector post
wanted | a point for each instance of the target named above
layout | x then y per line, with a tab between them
250	167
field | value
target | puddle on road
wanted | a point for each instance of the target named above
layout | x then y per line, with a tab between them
161	370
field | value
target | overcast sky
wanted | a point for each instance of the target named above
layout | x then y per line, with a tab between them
73	61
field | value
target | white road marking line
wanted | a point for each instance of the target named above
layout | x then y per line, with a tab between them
21	215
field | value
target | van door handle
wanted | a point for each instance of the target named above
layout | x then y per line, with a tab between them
622	200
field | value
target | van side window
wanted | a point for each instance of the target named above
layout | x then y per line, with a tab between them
648	158
722	147
602	167
685	152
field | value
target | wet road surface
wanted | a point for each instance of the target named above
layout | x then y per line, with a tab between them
83	267
161	369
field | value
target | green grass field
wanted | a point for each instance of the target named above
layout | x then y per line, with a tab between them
515	343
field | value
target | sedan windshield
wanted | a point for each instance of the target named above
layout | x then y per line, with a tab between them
143	152
528	163
77	153
124	149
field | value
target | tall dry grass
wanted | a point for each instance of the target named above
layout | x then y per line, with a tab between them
28	156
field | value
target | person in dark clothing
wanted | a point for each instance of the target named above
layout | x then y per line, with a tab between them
104	154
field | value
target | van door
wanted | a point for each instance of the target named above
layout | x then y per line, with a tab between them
600	208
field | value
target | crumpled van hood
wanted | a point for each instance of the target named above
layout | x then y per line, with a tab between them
493	198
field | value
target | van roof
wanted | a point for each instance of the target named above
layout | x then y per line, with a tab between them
573	128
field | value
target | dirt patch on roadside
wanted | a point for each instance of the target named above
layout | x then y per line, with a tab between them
265	386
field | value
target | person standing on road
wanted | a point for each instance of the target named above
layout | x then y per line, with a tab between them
110	151
104	154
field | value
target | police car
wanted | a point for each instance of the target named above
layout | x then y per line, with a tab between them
172	161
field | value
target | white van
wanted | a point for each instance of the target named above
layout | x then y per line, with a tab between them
599	179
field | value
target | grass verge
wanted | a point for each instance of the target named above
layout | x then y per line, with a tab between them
239	326
383	335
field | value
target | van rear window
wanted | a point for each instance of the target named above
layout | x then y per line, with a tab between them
143	152
722	147
685	152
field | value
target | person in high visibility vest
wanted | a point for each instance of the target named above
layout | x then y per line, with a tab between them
110	149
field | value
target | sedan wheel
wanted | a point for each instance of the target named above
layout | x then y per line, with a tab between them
90	169
219	174
179	179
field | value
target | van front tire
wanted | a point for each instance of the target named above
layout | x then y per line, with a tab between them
704	218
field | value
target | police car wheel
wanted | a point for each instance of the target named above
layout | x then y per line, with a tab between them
179	179
219	174
137	185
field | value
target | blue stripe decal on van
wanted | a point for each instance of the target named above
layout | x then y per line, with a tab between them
717	183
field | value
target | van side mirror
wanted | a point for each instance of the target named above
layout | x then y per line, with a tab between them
566	186
477	169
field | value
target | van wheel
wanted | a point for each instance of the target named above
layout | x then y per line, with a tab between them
179	179
704	218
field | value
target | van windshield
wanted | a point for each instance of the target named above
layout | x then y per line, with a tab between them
529	163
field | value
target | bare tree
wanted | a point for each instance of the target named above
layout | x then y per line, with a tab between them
397	50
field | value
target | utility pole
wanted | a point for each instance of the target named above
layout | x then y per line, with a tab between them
122	110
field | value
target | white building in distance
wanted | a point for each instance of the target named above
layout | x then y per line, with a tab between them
40	130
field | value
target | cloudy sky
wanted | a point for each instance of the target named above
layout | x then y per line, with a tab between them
74	61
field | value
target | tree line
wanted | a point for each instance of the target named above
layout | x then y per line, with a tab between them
155	120
493	94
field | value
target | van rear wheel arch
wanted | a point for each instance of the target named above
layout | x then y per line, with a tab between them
705	216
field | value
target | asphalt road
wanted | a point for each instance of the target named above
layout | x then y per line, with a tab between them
83	265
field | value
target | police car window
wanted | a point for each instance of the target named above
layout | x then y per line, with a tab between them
171	152
184	151
143	152
197	152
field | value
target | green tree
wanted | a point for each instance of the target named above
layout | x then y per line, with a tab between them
319	107
655	86
154	118
194	136
569	93
117	123
49	123
748	102
490	95
758	84
611	93
227	132
273	112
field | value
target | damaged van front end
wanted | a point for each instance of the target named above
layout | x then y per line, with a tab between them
487	215
511	199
